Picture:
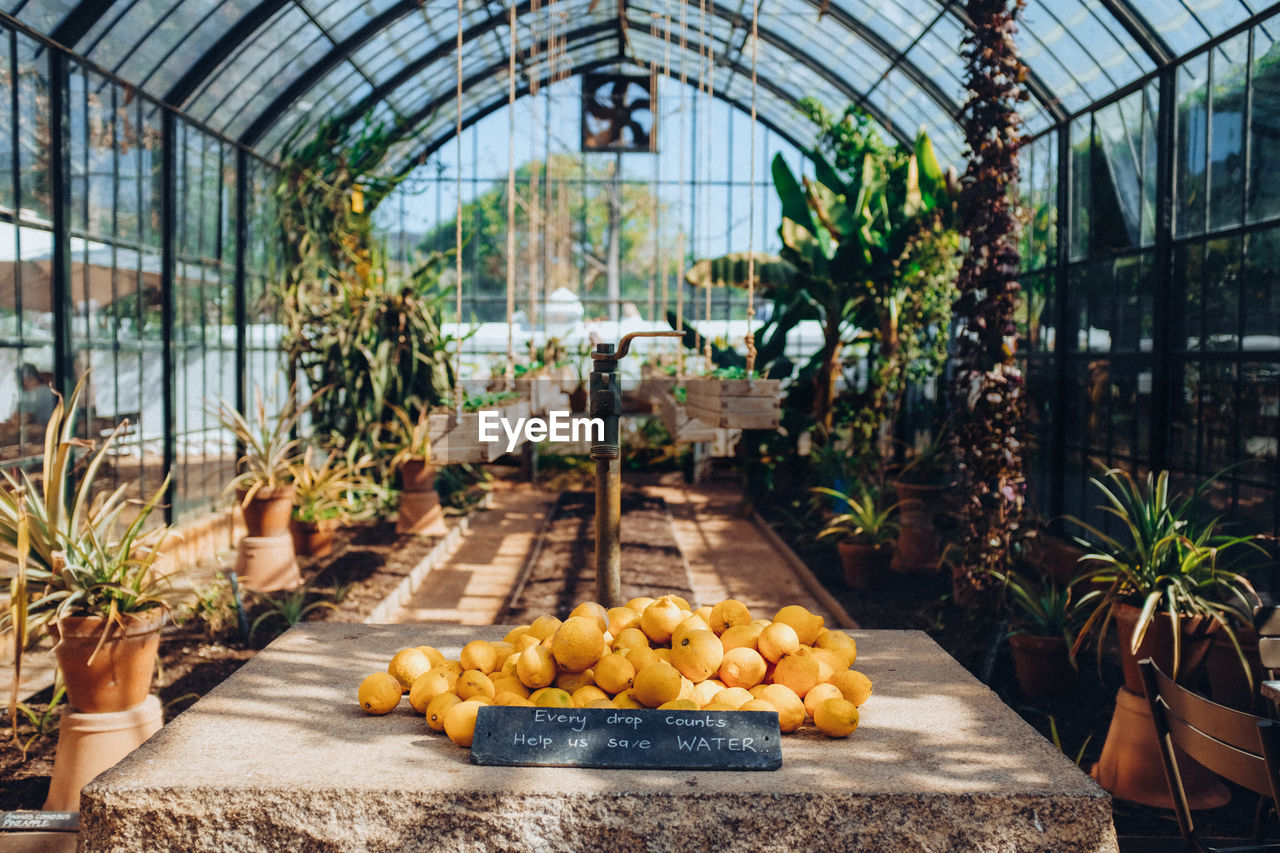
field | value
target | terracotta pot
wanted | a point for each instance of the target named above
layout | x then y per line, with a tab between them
864	565
313	538
917	549
1157	644
1227	683
1043	666
1057	558
417	475
269	512
119	675
91	743
267	563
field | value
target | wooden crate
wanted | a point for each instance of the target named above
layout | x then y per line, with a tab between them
456	438
735	403
545	392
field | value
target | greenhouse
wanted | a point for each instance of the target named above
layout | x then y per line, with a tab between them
951	326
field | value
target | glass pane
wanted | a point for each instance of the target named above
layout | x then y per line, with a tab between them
1221	308
1264	127
7	136
1188	278
33	130
1081	186
1261	290
1226	147
1192	131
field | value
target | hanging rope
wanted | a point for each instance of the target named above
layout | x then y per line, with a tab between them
751	206
708	83
510	372
457	370
684	91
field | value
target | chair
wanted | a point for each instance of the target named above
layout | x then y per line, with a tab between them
1237	746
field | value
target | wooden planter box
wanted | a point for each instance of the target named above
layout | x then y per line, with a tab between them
456	438
544	391
685	429
735	403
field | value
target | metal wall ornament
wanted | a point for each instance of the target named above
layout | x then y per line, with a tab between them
619	113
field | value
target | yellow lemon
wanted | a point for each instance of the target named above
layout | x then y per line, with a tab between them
661	618
742	667
551	697
601	703
819	694
806	624
594	611
829	661
758	705
798	671
639	603
614	673
729	613
790	709
697	654
734	697
479	655
571	681
524	641
705	612
663	653
586	694
621	618
840	642
577	644
433	654
512	699
656	683
407	665
836	717
474	684
625	701
630	638
428	686
508	684
509	665
777	640
515	634
379	693
705	691
679	705
679	602
642	656
460	722
543	627
718	706
855	686
741	636
450	665
692	622
437	708
535	667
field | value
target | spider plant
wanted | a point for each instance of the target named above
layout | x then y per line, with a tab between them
1042	609
270	449
1164	558
410	437
325	490
864	521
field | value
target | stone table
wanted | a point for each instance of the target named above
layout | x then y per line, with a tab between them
279	757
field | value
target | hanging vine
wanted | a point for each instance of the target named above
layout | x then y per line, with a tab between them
988	403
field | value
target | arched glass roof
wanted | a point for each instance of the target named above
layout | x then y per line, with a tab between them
262	70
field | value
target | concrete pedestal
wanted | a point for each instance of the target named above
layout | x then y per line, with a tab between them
280	757
267	563
90	743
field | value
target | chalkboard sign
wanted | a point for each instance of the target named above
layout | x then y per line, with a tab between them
39	821
603	737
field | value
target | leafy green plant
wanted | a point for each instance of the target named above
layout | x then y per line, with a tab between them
1165	558
42	722
1056	738
1042	609
270	447
325	490
865	521
489	400
290	608
407	437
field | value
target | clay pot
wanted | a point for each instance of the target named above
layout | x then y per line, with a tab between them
864	565
417	475
1043	666
917	549
1227	683
269	512
313	538
267	563
91	743
119	675
420	514
1157	644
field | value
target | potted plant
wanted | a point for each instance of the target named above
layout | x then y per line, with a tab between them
264	485
920	484
1044	618
86	569
411	437
1165	578
733	398
864	532
322	500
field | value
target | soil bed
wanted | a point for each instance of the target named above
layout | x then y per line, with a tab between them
563	572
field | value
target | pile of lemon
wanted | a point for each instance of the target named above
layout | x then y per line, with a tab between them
650	653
